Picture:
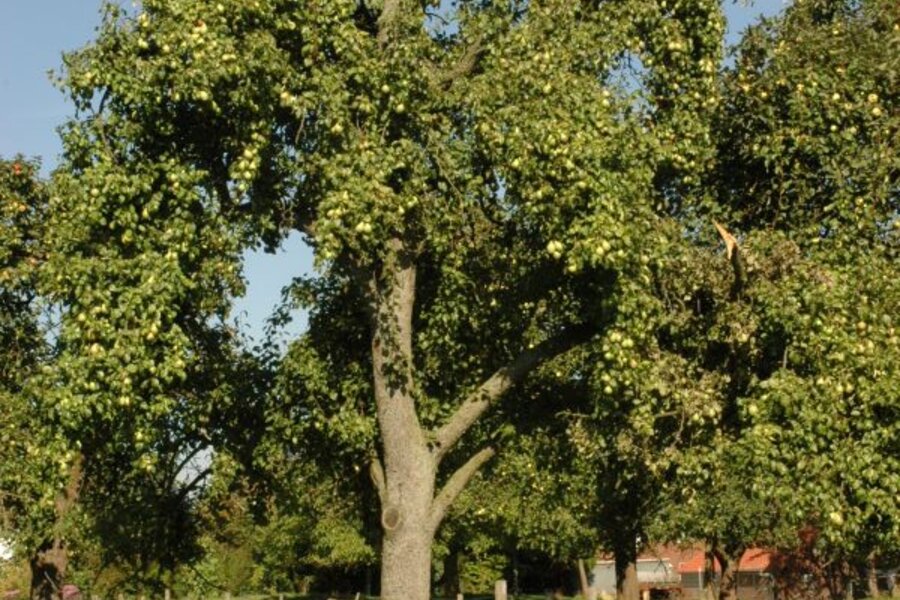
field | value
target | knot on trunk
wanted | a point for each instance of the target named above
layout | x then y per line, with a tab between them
390	518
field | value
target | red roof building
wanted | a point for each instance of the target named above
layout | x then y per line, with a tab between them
692	559
671	568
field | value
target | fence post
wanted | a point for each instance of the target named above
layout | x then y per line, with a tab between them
168	594
459	597
500	590
121	596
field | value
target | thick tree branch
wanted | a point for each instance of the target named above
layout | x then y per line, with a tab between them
734	254
466	64
456	484
386	20
376	472
497	384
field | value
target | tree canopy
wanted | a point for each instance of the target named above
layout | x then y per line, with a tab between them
518	284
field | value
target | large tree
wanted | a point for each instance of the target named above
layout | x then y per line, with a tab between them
474	178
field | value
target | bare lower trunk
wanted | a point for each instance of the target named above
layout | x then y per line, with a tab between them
711	589
49	563
583	579
48	571
406	565
728	583
872	578
408	519
450	580
627	587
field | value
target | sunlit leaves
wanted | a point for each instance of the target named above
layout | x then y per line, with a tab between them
810	128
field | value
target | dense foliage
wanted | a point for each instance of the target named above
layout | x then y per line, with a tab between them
33	463
520	293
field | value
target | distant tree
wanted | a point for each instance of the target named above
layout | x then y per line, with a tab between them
712	494
808	125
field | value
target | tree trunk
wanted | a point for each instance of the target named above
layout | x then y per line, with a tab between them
405	475
583	580
406	480
872	578
711	590
729	562
627	586
48	571
450	579
840	586
407	518
48	565
406	564
728	583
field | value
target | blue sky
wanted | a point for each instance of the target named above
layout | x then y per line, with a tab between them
33	35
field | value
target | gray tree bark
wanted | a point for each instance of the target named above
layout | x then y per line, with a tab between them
405	475
406	480
49	563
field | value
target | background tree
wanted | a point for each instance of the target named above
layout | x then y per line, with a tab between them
712	495
817	156
824	167
40	473
808	172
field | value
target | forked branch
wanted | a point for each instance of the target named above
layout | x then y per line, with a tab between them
497	384
456	484
466	64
